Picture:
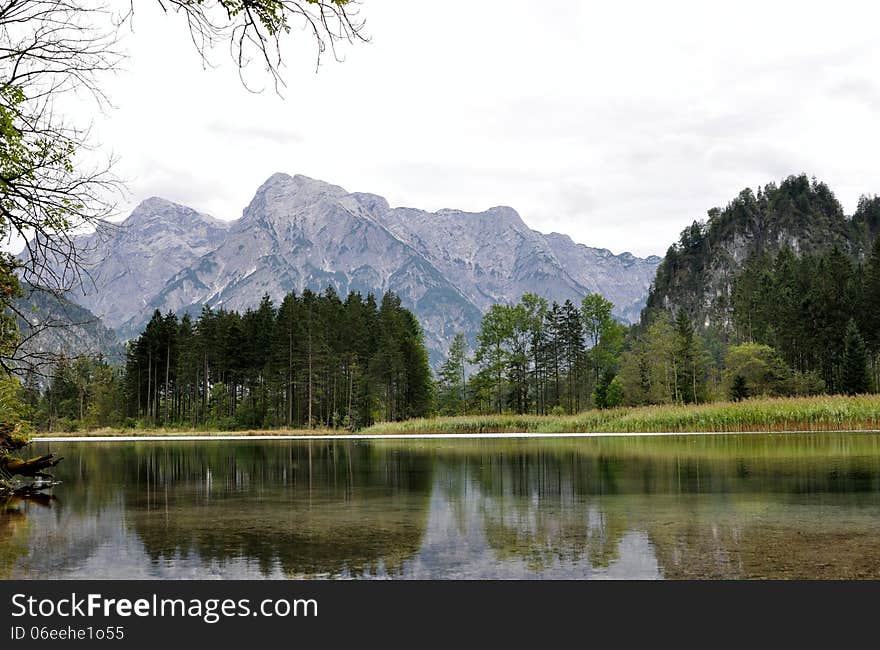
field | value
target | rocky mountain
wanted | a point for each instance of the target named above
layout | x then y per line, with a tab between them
493	257
698	272
297	232
52	325
622	279
130	263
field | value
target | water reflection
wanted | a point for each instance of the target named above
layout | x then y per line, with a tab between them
701	506
14	527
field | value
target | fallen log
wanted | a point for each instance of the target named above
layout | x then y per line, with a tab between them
33	467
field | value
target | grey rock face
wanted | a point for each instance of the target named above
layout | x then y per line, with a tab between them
494	257
623	279
131	263
297	232
53	326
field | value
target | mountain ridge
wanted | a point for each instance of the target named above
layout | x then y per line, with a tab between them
297	232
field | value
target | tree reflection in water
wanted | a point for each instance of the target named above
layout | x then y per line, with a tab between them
710	506
14	527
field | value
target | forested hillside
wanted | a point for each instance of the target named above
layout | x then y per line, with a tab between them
699	271
786	269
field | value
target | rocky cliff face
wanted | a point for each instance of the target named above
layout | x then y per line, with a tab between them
297	232
494	257
622	279
698	272
131	263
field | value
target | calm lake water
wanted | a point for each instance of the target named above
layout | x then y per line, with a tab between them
750	506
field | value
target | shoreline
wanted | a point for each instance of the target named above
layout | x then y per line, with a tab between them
431	436
837	414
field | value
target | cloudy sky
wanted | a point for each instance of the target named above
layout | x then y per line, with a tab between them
617	123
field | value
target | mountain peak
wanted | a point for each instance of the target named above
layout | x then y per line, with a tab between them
283	195
156	210
300	232
499	214
373	203
155	204
501	217
299	183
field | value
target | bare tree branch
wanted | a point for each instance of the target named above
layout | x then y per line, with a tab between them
255	29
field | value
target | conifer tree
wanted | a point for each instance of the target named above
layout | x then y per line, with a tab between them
554	328
452	379
536	310
313	361
687	360
738	389
573	346
869	320
854	376
492	352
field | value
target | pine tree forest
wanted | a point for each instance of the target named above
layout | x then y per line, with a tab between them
313	361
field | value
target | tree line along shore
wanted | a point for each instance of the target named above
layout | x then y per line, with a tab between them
823	413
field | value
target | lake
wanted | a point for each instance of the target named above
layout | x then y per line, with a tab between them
701	506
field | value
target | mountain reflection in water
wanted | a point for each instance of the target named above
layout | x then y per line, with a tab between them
775	506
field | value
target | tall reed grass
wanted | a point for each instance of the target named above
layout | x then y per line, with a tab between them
777	415
822	413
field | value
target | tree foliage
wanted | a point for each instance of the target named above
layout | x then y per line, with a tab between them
801	306
452	378
314	361
854	373
754	369
540	358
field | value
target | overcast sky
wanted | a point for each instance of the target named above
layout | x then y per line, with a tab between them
617	123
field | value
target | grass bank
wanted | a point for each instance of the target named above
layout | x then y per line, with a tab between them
824	413
163	431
